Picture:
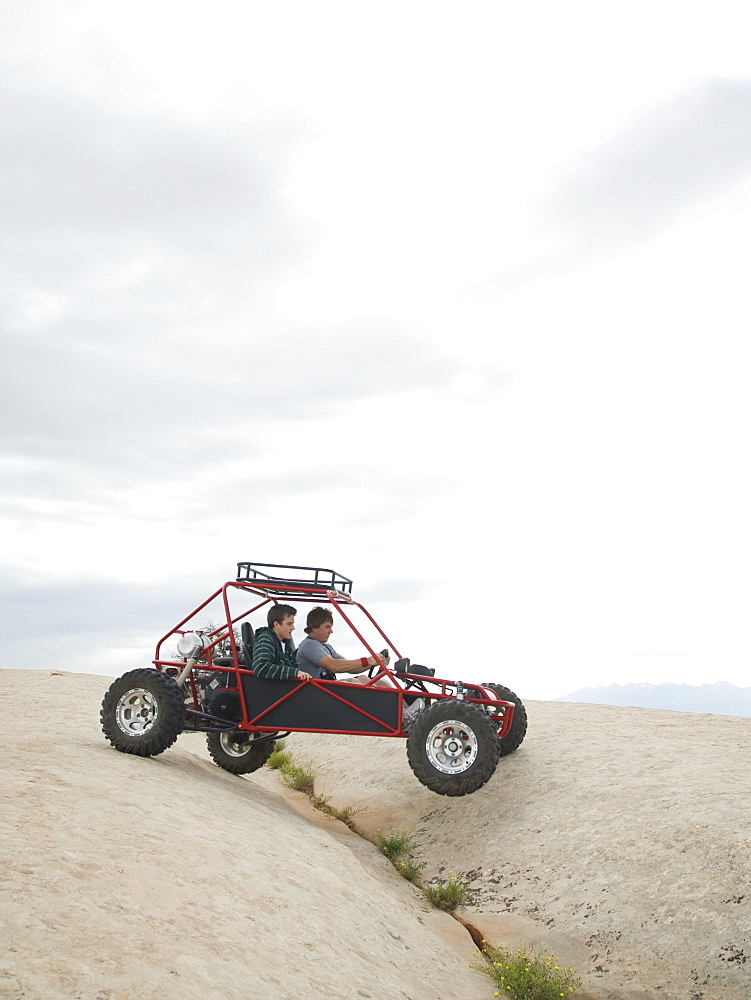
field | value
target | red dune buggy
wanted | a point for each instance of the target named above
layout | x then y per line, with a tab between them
206	685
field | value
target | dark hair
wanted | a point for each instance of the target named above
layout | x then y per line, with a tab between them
278	613
317	617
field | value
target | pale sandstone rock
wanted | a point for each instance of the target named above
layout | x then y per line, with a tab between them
618	837
150	879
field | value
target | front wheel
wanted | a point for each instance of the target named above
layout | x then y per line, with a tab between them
512	740
452	747
237	752
142	712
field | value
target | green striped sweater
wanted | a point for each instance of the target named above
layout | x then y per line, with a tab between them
272	659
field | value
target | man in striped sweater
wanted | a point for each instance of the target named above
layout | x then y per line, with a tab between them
274	653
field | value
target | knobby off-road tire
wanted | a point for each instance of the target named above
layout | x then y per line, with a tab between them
453	747
237	752
518	731
143	712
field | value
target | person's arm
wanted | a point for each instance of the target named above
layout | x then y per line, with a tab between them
338	666
266	661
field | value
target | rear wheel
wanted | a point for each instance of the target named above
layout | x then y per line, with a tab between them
142	712
237	752
452	747
518	730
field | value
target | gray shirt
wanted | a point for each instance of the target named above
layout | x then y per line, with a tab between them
310	651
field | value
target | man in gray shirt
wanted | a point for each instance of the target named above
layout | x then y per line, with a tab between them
316	656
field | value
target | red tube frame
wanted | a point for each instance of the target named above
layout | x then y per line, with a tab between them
311	595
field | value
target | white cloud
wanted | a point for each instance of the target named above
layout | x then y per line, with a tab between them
249	310
680	153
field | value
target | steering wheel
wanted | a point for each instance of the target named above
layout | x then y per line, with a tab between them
384	654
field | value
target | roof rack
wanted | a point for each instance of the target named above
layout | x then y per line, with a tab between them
286	584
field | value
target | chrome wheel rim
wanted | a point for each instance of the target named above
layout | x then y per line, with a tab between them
235	745
451	747
136	712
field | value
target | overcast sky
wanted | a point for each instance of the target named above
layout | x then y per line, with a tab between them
450	298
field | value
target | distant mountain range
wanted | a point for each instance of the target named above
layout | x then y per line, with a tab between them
719	699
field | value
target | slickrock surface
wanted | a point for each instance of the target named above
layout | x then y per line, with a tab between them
618	837
168	879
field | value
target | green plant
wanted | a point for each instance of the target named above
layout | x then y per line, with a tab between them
527	975
300	777
410	869
279	760
344	815
396	844
446	895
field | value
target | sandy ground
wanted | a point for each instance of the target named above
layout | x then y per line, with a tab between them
618	837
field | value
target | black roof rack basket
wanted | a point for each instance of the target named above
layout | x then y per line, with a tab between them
277	578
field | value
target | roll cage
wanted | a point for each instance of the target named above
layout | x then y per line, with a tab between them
332	706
